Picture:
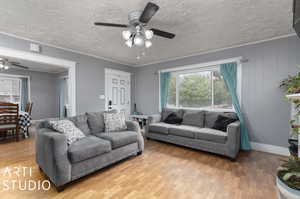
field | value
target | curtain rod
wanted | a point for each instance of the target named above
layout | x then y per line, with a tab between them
206	64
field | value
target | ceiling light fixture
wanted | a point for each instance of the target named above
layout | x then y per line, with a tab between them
4	66
138	36
126	34
148	44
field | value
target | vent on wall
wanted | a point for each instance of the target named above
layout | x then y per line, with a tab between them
35	48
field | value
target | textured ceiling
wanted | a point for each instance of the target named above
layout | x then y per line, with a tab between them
199	25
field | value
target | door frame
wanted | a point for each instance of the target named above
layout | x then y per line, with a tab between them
34	57
117	72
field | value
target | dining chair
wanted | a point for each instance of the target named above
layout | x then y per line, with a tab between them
9	119
28	107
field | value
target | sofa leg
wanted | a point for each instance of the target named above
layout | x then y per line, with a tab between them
60	188
147	138
232	159
139	153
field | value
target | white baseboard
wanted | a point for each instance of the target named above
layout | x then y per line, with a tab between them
270	148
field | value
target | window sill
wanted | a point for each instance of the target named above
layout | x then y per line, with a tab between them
204	109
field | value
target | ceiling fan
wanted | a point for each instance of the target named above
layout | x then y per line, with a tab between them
5	64
138	33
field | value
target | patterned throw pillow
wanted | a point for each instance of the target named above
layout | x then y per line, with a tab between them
67	128
114	121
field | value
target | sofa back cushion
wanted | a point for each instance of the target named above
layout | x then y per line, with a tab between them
95	122
212	116
167	111
81	122
193	118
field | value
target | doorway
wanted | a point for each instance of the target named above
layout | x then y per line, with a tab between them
117	91
51	61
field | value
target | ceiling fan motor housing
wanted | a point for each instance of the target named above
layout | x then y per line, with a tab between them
133	18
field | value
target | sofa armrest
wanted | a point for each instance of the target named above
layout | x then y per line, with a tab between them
134	126
152	119
233	141
52	155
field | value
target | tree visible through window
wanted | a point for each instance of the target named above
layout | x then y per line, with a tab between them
10	90
198	89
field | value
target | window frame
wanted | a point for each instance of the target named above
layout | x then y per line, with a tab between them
204	67
10	76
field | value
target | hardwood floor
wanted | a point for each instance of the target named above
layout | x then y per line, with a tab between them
162	171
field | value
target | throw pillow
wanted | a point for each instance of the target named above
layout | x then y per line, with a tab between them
173	118
67	128
114	121
81	122
222	122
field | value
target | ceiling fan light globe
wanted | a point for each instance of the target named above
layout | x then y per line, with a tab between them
6	67
148	44
148	34
138	40
126	34
1	66
129	43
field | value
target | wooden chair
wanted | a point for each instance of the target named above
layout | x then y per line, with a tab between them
28	107
9	119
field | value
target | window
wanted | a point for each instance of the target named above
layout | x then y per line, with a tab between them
10	89
198	89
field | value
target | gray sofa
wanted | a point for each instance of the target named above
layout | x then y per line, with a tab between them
196	131
63	163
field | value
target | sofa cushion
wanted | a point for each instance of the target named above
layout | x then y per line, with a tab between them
167	111
211	117
194	118
95	121
80	122
88	147
160	127
184	131
119	139
211	135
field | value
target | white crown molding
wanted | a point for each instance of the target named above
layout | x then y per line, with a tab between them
270	148
149	63
217	50
67	49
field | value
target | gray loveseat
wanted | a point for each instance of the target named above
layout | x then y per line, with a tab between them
63	163
196	131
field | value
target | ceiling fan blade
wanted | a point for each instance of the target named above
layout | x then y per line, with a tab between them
19	65
148	12
163	33
111	24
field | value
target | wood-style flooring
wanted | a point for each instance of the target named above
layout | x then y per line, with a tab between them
163	171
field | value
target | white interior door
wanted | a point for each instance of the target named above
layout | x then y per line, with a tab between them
117	90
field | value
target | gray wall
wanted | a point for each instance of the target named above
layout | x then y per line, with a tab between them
89	72
263	103
43	89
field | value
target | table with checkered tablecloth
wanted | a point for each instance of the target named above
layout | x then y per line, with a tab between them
24	122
